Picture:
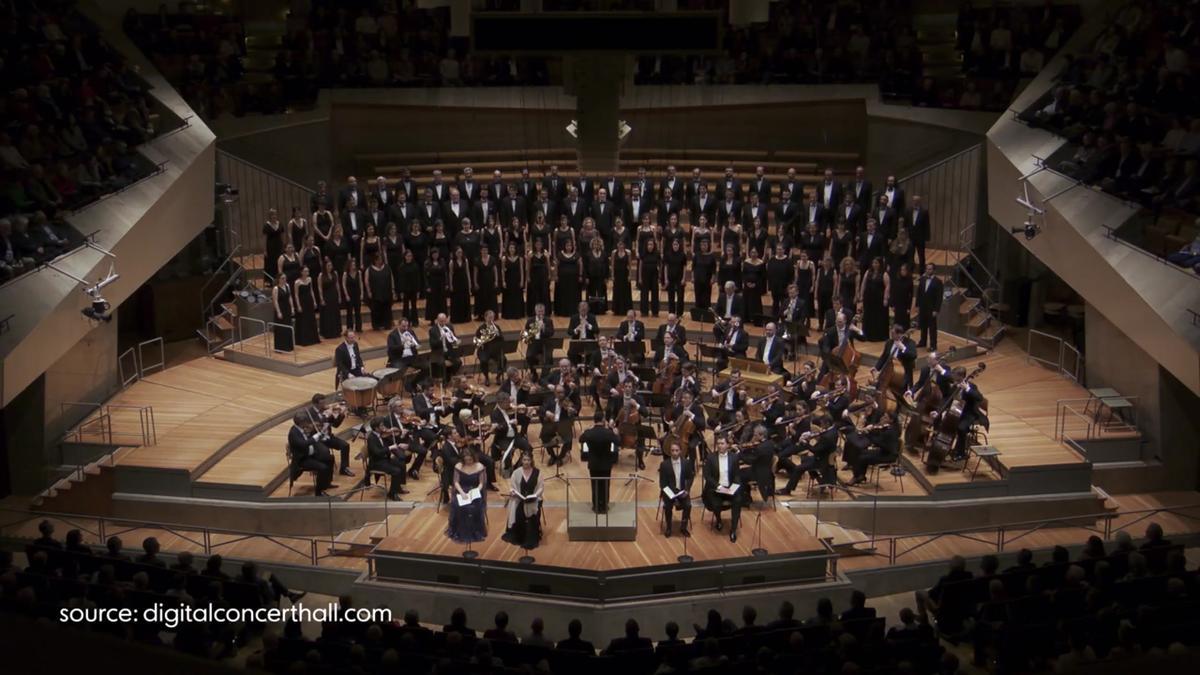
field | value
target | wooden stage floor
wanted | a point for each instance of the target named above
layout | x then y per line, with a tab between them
423	532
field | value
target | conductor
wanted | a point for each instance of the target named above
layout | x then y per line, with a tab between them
600	445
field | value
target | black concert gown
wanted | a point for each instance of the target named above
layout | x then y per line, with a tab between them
306	318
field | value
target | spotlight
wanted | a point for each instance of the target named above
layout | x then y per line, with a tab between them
1030	229
100	310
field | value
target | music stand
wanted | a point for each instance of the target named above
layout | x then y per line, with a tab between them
578	351
631	350
797	332
713	352
701	315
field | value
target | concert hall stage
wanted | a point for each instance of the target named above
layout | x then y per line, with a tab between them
419	552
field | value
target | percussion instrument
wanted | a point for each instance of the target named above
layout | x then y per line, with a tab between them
389	382
359	392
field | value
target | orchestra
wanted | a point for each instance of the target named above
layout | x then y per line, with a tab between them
810	412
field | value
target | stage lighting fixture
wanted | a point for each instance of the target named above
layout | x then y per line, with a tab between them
1030	229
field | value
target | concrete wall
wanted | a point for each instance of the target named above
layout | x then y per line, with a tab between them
87	372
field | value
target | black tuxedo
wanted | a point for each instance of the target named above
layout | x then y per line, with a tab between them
795	187
854	219
814	212
468	191
929	302
427	213
761	186
601	445
660	354
401	214
665	208
514	208
616	191
538	353
586	189
735	308
896	199
576	218
574	329
354	226
835	195
346	194
907	356
632	216
941	380
759	460
863	195
453	220
507	435
480	213
883	447
604	213
818	462
409	187
708	209
347	360
752	211
548	207
787	216
739	344
307	453
715	501
725	209
395	349
441	191
381	458
870	247
919	230
667	479
631	331
556	187
680	333
727	183
676	186
773	358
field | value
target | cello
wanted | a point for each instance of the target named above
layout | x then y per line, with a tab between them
628	421
843	359
664	377
946	424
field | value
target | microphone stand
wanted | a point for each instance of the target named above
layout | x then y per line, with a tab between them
684	557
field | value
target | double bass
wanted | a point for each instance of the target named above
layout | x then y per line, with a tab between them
844	359
946	425
628	421
923	402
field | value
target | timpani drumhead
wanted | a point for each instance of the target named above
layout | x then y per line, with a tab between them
359	392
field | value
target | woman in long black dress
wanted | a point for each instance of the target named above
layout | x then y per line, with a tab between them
460	287
756	237
804	271
273	240
900	251
297	228
515	234
289	264
900	296
732	235
538	271
329	296
753	280
813	242
779	276
468	522
370	247
595	266
437	280
524	515
540	231
417	241
311	258
583	241
846	286
620	233
512	305
674	263
440	241
841	243
281	297
408	286
704	267
825	286
649	275
468	240
567	277
393	248
323	226
873	294
492	238
561	235
306	310
646	232
379	293
487	282
730	268
622	293
673	231
338	249
700	232
352	295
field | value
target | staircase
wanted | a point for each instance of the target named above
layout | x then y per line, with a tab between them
362	540
218	312
844	541
86	488
974	292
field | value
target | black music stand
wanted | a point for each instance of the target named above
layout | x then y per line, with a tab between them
712	352
507	347
548	346
631	350
797	332
579	351
700	315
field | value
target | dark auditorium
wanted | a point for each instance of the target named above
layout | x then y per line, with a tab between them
634	337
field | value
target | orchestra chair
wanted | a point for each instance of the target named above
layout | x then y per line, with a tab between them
896	469
293	474
813	483
752	484
370	476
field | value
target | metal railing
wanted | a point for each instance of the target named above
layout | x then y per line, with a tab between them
1060	361
134	373
1000	536
950	189
270	343
1090	414
851	492
97	425
343	496
259	190
208	539
241	335
143	368
1115	234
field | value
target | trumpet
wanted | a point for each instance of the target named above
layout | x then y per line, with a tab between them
488	332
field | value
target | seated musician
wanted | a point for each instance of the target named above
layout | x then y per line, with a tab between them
770	350
489	349
901	348
402	346
856	439
444	344
624	407
838	401
676	473
309	454
606	361
816	449
842	332
583	326
688	380
631	329
804	387
669	349
505	437
972	400
942	377
884	447
463	396
728	397
347	359
418	445
835	308
757	460
430	411
674	328
324	421
473	431
540	328
386	453
521	394
617	377
720	475
564	376
729	302
775	407
735	342
558	419
687	408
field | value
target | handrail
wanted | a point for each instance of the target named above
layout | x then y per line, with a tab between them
946	160
145	419
270	348
162	356
205	304
241	336
136	372
1111	233
1061	423
256	167
850	491
1058	365
341	496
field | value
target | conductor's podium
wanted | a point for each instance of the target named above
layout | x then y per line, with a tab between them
756	377
616	523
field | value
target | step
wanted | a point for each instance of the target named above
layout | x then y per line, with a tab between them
223	323
991	334
393	525
969	305
230	307
979	321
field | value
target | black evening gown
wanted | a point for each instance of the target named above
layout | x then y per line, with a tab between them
306	318
596	272
311	258
804	281
779	275
468	523
395	258
875	314
291	269
339	253
752	289
485	297
408	289
704	265
460	293
331	311
435	289
512	305
840	246
272	248
369	250
525	530
901	299
566	289
846	292
824	294
729	271
284	338
380	283
539	282
419	245
649	278
622	292
353	300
